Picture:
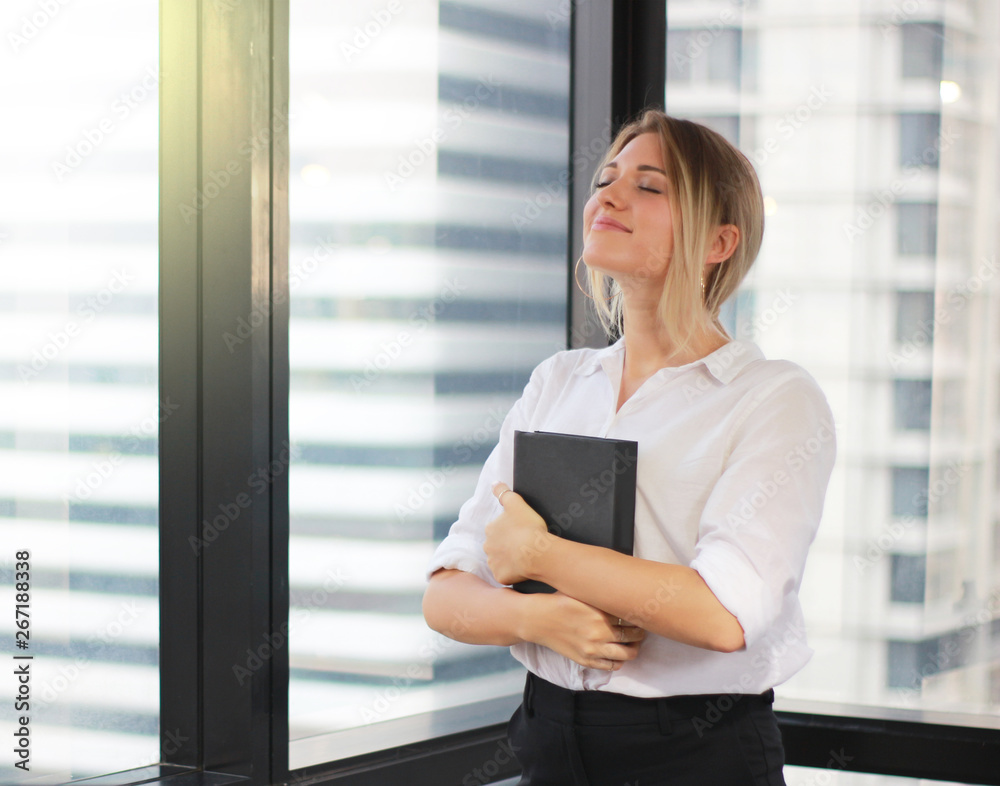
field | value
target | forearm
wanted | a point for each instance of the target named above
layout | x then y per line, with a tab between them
669	600
463	607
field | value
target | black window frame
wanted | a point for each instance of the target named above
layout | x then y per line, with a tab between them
224	84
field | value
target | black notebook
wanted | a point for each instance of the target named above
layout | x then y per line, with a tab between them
584	488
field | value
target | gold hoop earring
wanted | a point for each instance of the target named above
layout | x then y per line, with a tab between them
576	279
584	290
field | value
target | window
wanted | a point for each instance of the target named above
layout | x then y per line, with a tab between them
909	491
852	123
78	372
220	425
915	318
911	663
908	578
429	276
704	56
916	229
919	135
912	403
923	46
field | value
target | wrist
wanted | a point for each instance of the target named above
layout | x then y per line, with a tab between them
528	609
536	567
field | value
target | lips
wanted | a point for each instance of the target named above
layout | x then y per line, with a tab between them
609	224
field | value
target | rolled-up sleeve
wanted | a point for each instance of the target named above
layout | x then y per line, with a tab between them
763	513
462	549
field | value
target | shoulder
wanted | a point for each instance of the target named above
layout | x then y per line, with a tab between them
779	384
755	373
768	374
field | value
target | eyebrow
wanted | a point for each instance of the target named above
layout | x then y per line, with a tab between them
641	167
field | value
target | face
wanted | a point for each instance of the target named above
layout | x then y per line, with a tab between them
627	226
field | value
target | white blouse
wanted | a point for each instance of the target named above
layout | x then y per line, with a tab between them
735	454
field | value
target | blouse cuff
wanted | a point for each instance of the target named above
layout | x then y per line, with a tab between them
738	587
459	552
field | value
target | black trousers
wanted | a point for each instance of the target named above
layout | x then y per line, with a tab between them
593	738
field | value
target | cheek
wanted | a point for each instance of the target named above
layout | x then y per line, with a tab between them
656	241
659	234
588	212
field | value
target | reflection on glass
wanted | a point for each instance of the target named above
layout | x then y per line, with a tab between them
881	240
78	382
429	144
835	775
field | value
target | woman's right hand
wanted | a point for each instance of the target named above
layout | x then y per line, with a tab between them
580	632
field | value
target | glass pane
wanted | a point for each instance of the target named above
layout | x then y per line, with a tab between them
923	47
915	318
833	775
918	134
912	403
429	145
917	228
866	130
78	374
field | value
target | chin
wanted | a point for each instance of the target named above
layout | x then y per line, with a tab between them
625	270
608	261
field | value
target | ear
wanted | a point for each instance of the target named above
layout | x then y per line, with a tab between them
724	243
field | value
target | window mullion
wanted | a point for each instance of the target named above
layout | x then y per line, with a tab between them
179	439
220	462
591	92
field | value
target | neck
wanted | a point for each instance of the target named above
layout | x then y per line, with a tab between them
648	346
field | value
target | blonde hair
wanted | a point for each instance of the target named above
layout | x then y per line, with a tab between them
711	184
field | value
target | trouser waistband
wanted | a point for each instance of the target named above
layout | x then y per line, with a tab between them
603	708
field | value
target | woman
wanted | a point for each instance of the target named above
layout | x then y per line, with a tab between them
656	668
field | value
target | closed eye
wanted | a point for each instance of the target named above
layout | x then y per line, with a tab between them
649	189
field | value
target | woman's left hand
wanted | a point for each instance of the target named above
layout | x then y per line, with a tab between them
515	539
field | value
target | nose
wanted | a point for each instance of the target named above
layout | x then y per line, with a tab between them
612	195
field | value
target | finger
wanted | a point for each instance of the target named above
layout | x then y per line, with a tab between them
500	490
625	634
622	652
618	621
510	500
630	633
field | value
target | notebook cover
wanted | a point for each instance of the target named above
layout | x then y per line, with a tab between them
584	488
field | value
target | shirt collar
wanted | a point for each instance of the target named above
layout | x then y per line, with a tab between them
596	359
729	360
724	364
